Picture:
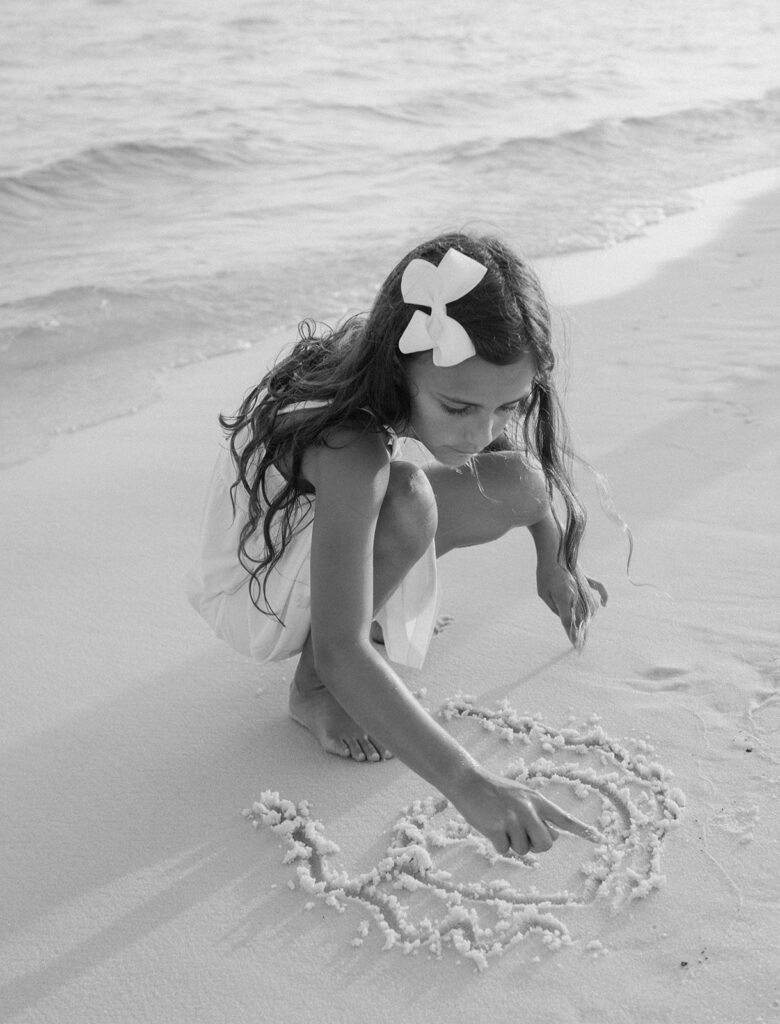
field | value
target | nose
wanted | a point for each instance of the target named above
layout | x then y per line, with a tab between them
479	433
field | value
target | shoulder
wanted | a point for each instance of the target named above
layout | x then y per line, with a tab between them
347	458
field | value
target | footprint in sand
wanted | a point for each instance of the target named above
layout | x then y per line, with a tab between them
739	822
443	886
442	622
660	679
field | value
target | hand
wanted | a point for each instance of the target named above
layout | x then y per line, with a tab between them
556	587
514	816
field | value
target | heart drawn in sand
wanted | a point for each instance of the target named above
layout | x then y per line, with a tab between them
441	884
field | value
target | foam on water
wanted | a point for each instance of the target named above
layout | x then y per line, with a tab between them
274	166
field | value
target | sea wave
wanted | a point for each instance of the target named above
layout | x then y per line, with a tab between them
714	123
112	166
195	316
337	110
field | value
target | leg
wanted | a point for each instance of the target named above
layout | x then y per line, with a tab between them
405	528
481	502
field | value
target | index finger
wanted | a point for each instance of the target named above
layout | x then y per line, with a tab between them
560	819
565	614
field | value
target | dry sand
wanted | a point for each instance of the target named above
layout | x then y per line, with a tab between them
134	890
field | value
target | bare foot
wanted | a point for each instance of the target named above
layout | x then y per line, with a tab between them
315	708
442	622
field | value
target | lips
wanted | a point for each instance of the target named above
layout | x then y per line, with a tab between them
454	455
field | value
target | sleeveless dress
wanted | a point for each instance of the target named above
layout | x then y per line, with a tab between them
218	585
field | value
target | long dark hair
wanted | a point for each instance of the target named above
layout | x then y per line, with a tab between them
358	369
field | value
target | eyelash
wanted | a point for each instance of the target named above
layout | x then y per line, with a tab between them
518	407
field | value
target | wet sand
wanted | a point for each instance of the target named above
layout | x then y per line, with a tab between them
135	890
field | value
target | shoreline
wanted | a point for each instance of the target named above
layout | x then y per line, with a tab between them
569	280
579	278
132	739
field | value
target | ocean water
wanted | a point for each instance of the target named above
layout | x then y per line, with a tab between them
177	182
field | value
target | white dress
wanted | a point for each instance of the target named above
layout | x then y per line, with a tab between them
218	585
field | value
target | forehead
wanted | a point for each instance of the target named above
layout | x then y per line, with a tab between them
475	380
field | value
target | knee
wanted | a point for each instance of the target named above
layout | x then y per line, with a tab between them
408	518
530	498
520	489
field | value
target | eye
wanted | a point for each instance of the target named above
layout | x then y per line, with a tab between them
517	407
453	411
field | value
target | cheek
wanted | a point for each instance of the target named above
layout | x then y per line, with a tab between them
451	428
501	424
437	430
430	418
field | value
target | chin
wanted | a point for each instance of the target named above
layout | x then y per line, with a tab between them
454	459
445	455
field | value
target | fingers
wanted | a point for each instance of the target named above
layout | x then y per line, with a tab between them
518	843
534	836
600	589
565	613
502	843
578	616
566	823
567	621
538	834
575	609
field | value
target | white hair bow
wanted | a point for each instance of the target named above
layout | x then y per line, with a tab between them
424	284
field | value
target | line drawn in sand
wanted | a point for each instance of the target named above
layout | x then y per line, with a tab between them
422	895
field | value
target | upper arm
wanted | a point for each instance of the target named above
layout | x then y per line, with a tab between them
350	477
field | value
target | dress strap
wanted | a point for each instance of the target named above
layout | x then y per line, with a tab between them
322	403
392	441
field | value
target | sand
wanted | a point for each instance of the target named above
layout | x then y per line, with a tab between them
133	887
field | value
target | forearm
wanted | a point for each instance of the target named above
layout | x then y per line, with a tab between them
546	537
375	697
510	814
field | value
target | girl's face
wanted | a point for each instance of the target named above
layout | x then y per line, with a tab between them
458	410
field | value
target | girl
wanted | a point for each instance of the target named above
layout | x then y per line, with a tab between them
316	526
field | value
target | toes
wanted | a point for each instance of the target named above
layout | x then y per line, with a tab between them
383	753
442	622
333	746
370	749
363	748
355	749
